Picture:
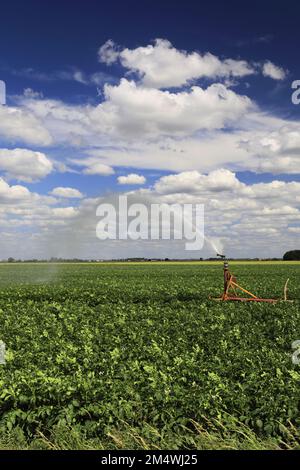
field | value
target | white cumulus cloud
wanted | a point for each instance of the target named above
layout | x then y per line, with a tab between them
24	164
130	110
95	168
66	192
12	193
273	71
132	178
163	66
18	124
194	181
276	151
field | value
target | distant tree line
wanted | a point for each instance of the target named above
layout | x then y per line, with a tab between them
293	255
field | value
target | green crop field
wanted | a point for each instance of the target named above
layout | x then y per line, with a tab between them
138	356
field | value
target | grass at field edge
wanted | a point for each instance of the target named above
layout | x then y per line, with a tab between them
236	437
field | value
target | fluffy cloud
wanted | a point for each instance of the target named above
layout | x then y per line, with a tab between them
64	212
132	178
204	153
147	128
30	93
162	66
277	151
24	165
130	110
68	123
66	192
20	125
273	71
221	188
194	182
20	207
108	53
12	193
94	168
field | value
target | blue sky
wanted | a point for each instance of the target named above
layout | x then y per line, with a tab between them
98	91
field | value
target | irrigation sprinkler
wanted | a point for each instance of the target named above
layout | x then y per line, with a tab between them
231	287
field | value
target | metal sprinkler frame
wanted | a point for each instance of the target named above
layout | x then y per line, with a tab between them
231	286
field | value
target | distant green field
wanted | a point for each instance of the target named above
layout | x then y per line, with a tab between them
154	263
108	351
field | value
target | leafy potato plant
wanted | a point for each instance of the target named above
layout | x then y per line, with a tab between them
97	346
